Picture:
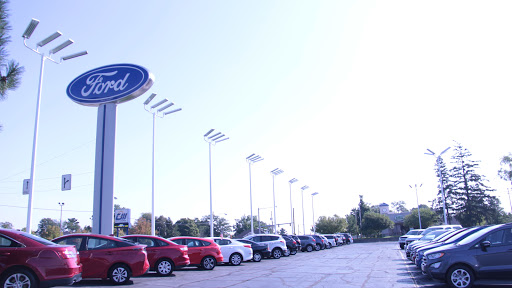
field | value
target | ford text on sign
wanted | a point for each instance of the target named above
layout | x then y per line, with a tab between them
115	83
122	216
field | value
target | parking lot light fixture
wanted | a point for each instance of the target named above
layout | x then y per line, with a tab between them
417	202
214	139
293	180
26	36
303	222
438	158
251	159
313	209
274	173
161	114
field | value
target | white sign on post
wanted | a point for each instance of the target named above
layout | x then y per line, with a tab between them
66	182
26	185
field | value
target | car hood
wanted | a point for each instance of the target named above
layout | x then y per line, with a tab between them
443	248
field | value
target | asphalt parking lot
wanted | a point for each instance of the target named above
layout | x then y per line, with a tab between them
355	265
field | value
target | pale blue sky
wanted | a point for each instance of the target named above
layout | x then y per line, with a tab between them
343	95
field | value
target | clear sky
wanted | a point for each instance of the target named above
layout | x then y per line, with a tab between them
345	96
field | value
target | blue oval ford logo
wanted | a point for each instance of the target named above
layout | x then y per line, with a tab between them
115	83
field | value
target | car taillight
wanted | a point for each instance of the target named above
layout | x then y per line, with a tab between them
294	242
247	246
314	240
67	254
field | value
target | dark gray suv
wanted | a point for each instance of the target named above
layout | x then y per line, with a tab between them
486	254
308	243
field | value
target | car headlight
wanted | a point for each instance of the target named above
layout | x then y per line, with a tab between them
435	255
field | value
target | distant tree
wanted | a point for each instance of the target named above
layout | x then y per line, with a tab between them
87	229
473	204
6	225
220	225
374	223
399	206
71	225
48	228
10	70
330	225
142	225
244	224
505	171
352	226
444	174
164	227
428	218
361	209
187	227
282	231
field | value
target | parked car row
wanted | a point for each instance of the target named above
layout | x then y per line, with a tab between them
30	261
462	256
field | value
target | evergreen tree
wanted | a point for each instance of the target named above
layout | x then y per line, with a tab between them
505	172
352	226
164	227
442	172
72	225
10	71
472	203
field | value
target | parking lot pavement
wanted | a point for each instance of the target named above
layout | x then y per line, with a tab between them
357	265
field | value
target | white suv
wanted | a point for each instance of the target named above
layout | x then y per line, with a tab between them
276	243
413	238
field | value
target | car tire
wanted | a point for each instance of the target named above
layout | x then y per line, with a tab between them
293	252
287	252
208	263
309	248
257	256
164	267
119	274
19	278
460	276
235	259
277	253
318	247
402	246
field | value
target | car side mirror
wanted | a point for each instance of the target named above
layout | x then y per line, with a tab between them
485	244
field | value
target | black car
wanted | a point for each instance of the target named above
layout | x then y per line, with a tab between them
291	244
259	250
296	238
308	243
486	254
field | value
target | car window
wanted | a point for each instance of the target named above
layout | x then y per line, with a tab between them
194	243
76	241
99	243
5	242
162	243
496	238
222	241
179	241
256	238
147	241
205	243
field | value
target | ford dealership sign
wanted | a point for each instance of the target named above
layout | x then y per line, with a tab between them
115	83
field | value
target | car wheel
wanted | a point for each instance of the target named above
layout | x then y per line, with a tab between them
309	248
277	253
235	259
460	276
164	267
317	247
119	274
208	263
294	252
287	252
19	278
256	257
402	246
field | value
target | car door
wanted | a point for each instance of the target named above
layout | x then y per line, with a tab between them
495	261
195	250
225	247
151	248
85	256
99	255
9	253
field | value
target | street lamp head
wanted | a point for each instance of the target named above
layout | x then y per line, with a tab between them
253	158
276	171
61	46
74	55
221	140
30	28
49	39
172	111
208	133
159	103
444	151
165	107
430	152
304	187
293	180
153	95
313	194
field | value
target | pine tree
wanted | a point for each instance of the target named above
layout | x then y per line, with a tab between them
472	203
10	70
442	171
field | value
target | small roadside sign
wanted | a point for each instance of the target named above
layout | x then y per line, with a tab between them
26	186
66	182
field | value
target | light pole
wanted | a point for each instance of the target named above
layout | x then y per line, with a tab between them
417	202
161	113
26	35
214	139
440	180
259	222
313	208
293	180
274	173
61	204
253	158
303	222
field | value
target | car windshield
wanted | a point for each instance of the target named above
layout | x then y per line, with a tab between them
477	235
37	239
413	232
448	235
432	235
462	235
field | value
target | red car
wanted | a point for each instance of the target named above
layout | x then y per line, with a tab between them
30	261
108	257
163	255
202	252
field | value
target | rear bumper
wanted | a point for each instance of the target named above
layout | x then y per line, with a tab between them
62	281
